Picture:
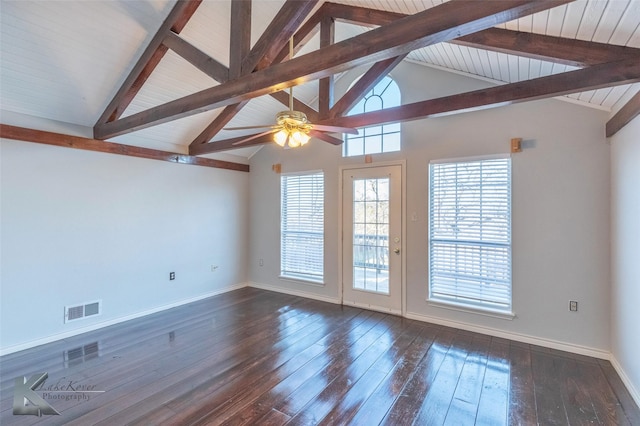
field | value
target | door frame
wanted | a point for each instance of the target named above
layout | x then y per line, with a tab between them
403	228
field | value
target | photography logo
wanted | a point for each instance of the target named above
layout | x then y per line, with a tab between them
26	400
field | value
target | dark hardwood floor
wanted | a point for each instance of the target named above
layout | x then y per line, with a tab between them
260	358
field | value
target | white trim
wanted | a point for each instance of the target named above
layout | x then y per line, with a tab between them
403	224
59	336
304	172
635	393
305	294
305	281
471	309
372	307
471	159
547	343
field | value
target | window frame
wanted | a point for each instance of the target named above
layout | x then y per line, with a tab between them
363	137
286	272
454	302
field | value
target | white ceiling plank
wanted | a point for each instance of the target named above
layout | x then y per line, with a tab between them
540	22
495	66
600	95
486	66
591	19
627	26
610	20
623	95
574	14
534	68
514	69
503	64
555	20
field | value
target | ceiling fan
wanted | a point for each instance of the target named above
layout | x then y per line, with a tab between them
292	127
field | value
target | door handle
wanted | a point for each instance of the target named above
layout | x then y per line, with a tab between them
396	251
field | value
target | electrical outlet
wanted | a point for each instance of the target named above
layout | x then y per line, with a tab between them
172	276
573	306
214	268
261	262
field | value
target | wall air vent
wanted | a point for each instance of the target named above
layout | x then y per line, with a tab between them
72	313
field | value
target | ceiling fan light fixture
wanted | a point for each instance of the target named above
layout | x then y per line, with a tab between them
299	137
280	137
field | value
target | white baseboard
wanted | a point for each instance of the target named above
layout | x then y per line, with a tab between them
547	343
635	393
372	307
75	332
308	295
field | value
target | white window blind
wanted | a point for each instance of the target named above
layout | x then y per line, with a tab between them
470	233
302	227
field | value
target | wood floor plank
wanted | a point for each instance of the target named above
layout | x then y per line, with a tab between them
577	400
611	400
464	405
493	406
407	406
549	405
522	400
253	357
384	396
303	395
436	404
356	395
375	361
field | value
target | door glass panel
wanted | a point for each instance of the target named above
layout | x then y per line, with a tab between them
371	235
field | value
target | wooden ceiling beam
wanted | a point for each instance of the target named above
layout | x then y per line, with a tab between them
623	117
77	142
277	34
361	87
196	57
301	37
240	40
360	15
291	15
441	23
326	84
594	77
535	46
325	137
218	123
572	52
228	144
176	21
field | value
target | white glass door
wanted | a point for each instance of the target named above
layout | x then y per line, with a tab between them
372	246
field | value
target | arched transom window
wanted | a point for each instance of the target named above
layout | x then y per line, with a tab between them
375	139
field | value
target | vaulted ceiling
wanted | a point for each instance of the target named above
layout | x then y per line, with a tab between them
159	77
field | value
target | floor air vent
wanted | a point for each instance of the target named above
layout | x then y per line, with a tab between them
72	313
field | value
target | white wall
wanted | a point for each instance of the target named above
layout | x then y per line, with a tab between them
625	254
79	226
561	210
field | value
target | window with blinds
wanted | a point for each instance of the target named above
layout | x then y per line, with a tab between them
302	227
470	233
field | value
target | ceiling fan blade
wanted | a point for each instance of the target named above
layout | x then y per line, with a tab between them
265	126
325	137
335	129
252	137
